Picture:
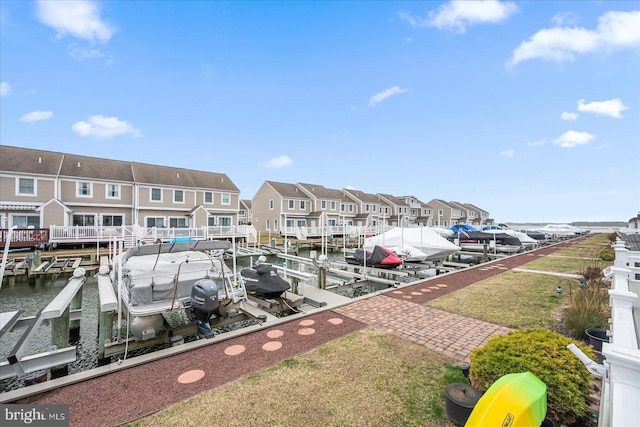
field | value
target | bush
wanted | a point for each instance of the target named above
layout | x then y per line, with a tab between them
544	354
607	255
589	309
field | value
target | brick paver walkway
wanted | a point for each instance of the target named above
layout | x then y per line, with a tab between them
452	334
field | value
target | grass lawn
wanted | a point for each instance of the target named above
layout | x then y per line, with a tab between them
367	378
565	264
514	299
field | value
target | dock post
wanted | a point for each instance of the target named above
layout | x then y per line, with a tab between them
74	326
60	339
105	331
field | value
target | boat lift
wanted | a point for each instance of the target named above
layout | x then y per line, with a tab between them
60	312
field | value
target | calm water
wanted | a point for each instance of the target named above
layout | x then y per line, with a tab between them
33	297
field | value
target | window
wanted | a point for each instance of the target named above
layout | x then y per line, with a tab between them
177	222
156	194
268	225
290	223
275	225
241	212
224	220
291	204
341	207
211	222
178	196
301	223
440	212
25	221
83	189
84	220
350	208
303	206
323	204
226	199
157	222
112	220
113	191
26	187
208	197
270	207
331	222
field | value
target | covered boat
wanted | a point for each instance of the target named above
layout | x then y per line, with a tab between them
477	241
424	239
379	257
263	280
527	241
153	279
408	253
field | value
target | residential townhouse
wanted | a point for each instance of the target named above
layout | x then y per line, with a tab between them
42	188
325	204
400	211
481	217
368	208
245	214
444	215
278	203
420	213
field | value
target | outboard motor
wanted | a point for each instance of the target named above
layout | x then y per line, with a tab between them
204	305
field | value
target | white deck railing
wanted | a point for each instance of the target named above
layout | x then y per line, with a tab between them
621	393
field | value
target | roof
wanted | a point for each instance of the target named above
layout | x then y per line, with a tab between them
393	200
30	161
287	190
322	192
362	196
631	240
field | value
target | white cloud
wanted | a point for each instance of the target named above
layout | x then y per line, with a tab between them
573	138
5	89
537	143
612	107
79	19
278	162
381	96
616	30
568	116
104	127
457	15
36	116
563	18
508	153
80	54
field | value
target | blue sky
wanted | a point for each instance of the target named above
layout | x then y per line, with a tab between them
529	110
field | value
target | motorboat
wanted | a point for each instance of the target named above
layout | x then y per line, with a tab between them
424	239
527	241
262	280
409	253
379	257
561	230
462	227
150	280
479	241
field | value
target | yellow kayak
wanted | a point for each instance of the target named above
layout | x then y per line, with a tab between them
514	400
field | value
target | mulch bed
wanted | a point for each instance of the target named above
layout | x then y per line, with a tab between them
127	395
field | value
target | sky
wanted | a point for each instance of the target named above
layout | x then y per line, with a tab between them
529	110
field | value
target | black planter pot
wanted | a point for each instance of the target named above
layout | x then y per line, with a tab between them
460	399
596	337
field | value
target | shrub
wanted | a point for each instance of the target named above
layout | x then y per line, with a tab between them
607	255
544	354
589	309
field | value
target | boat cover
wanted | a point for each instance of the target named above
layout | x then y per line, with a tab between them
463	227
380	257
432	244
263	281
151	278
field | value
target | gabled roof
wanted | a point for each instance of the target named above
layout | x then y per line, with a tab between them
27	160
287	190
393	200
474	208
460	206
361	195
246	203
321	192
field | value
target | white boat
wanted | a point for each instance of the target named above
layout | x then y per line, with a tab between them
408	253
153	279
560	230
479	241
444	232
527	242
424	239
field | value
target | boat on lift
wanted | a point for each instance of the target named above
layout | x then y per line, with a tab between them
424	239
379	257
150	280
262	280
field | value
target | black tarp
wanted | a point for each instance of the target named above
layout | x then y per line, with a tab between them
263	281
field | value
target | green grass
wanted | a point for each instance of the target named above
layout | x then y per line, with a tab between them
513	299
564	264
367	378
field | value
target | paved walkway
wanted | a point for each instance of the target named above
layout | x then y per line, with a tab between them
452	334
